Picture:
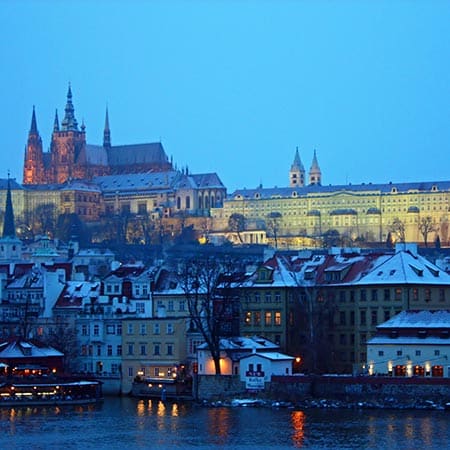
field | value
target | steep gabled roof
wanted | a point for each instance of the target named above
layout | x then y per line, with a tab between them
404	268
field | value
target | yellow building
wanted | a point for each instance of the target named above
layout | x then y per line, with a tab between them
410	212
152	347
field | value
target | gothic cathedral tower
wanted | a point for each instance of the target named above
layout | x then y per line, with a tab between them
33	168
68	147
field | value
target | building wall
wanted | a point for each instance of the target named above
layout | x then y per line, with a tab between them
367	214
152	347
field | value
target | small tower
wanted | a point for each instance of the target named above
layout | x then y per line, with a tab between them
10	245
33	168
297	172
107	132
315	175
56	122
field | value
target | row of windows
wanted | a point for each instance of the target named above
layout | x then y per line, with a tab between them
157	372
143	329
156	349
89	350
417	352
268	297
171	305
255	318
386	294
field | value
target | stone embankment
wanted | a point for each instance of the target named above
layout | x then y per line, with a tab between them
328	392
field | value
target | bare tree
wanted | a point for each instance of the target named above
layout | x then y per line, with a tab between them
426	226
236	224
208	298
331	238
398	229
45	219
64	339
316	313
273	225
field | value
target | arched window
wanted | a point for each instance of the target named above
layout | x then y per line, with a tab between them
200	202
178	202
188	202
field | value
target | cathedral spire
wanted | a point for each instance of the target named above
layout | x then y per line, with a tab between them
9	230
107	131
56	122
69	122
33	127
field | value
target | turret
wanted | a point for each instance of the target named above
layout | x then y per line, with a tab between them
315	175
297	172
33	168
107	132
56	122
9	229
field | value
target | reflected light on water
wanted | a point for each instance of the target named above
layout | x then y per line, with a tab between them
219	424
298	423
161	409
175	410
140	408
426	430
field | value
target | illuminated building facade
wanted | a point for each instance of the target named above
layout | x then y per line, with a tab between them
71	157
410	212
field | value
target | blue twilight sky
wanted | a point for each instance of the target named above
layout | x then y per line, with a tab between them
234	87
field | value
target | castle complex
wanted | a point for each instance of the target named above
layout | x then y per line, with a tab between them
139	179
364	213
70	157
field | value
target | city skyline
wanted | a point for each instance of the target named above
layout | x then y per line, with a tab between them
235	87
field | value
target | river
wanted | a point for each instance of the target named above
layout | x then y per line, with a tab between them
129	423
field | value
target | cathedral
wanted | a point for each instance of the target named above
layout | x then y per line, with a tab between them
71	157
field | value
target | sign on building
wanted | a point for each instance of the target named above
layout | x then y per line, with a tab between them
254	381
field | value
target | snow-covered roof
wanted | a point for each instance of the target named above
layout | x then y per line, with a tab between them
15	349
273	356
243	343
404	268
418	319
408	340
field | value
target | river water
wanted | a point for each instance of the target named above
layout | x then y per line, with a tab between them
127	423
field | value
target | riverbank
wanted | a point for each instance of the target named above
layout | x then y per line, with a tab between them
328	391
330	404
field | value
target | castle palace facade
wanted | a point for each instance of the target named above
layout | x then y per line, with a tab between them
303	212
71	157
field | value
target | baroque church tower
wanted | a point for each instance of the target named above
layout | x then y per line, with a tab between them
10	245
297	172
315	174
33	168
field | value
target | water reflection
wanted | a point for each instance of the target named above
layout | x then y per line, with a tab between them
219	424
141	424
298	424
